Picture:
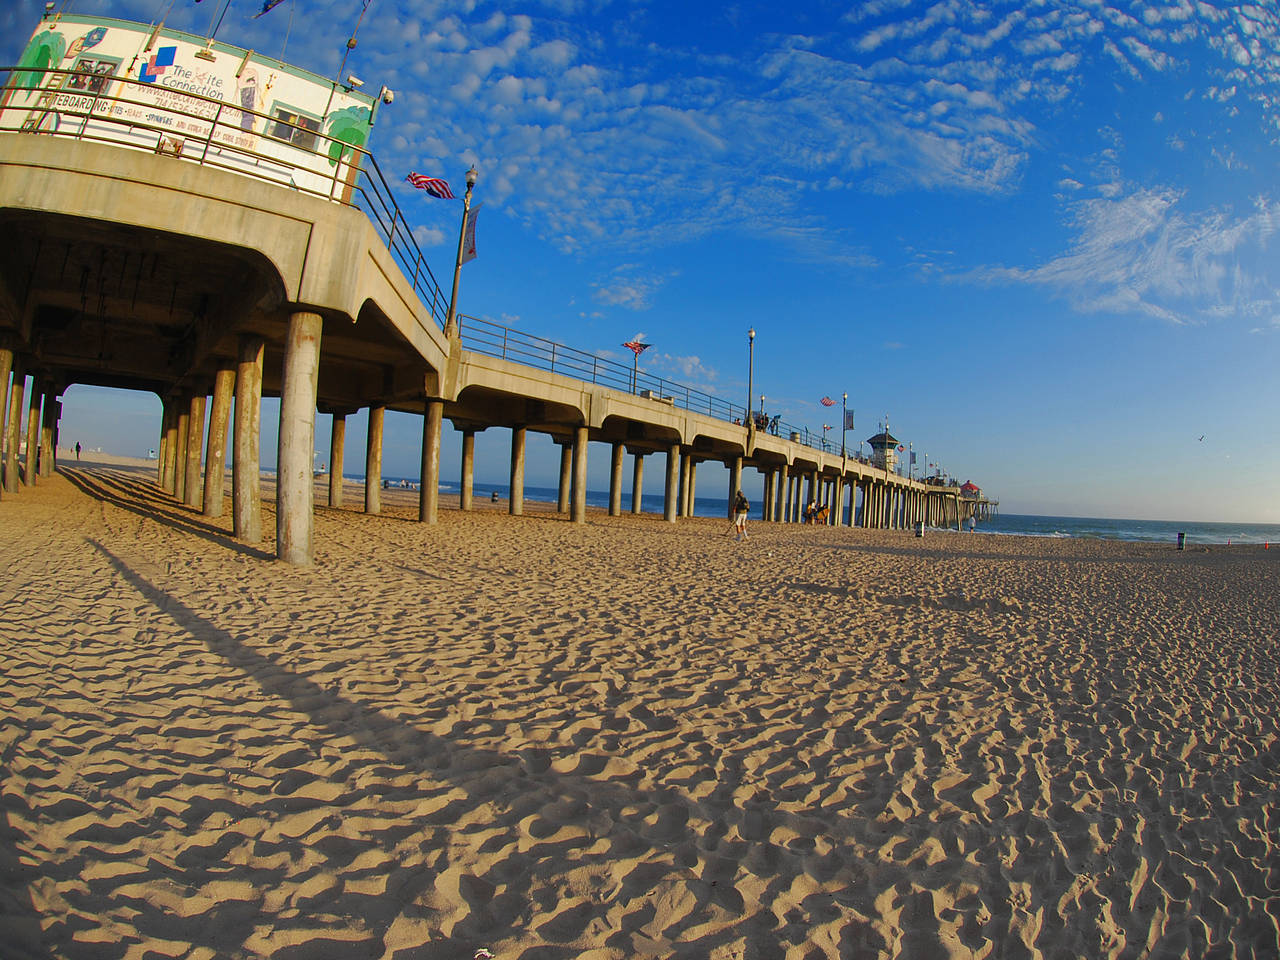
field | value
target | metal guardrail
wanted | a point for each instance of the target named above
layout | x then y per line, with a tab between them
506	343
80	110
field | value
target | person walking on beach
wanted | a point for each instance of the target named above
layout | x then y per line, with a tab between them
77	449
740	510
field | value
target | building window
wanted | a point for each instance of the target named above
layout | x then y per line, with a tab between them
91	75
293	127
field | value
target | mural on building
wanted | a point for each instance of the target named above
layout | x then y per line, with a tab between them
163	90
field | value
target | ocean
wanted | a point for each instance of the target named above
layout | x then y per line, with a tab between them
1146	531
1012	524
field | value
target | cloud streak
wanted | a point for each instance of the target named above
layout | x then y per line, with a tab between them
1137	253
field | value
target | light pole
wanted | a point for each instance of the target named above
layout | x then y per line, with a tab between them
844	420
451	318
751	366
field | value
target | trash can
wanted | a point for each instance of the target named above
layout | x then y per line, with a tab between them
1181	539
919	528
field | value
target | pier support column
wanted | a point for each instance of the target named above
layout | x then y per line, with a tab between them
29	469
246	486
169	470
373	461
637	481
166	411
337	458
837	501
788	508
215	458
6	368
566	476
767	496
515	503
46	430
193	490
735	481
673	483
691	499
615	479
468	478
12	431
682	484
429	475
180	449
295	482
579	514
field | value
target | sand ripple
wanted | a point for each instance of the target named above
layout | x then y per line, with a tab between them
625	739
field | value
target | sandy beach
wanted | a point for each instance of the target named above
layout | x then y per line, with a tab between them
624	739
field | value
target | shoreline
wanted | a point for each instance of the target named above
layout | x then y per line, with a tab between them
1226	535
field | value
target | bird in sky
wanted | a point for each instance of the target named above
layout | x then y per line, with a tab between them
1201	440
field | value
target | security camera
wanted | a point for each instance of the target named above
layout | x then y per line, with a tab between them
387	94
354	81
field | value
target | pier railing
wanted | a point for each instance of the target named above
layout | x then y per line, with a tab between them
507	343
213	133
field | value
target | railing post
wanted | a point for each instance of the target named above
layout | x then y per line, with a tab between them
595	367
553	358
391	234
213	125
505	333
337	168
92	107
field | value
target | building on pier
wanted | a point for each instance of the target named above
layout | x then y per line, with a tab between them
884	450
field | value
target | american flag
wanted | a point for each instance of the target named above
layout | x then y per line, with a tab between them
636	347
433	186
827	402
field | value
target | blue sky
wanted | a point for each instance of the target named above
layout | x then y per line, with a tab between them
1036	235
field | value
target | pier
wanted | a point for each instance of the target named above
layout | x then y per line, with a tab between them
208	272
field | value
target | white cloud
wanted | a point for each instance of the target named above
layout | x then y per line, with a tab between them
627	289
1137	253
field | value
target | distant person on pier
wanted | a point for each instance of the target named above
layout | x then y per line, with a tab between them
740	510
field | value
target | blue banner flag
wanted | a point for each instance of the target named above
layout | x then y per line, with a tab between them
267	7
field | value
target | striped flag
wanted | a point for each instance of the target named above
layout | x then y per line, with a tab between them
827	402
636	347
432	185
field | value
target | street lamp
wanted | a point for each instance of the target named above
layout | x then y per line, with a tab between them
450	320
751	365
844	420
